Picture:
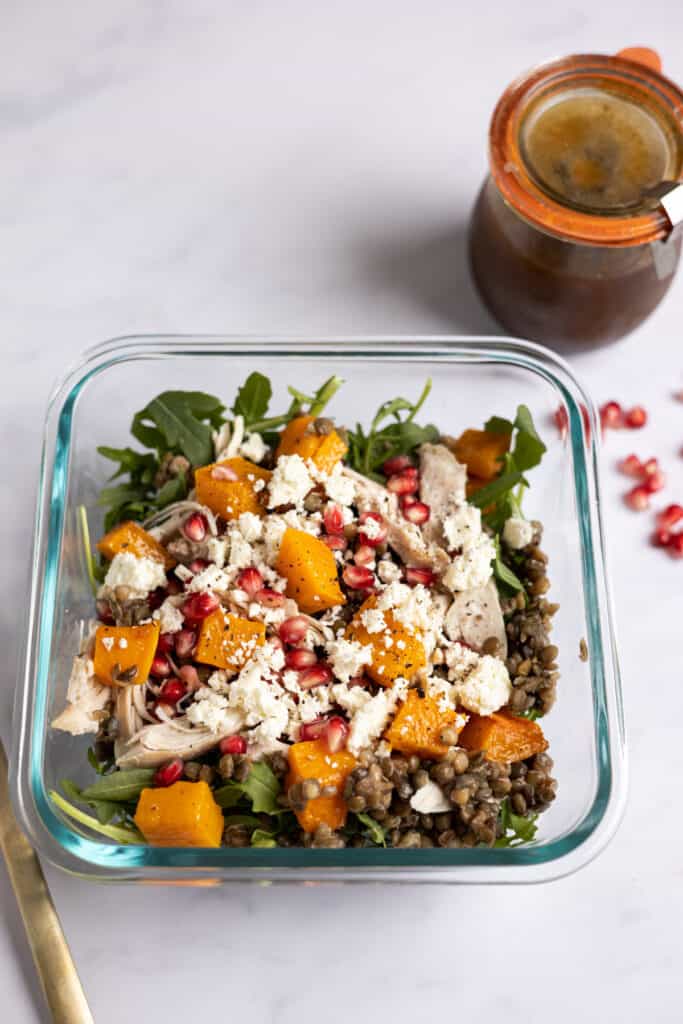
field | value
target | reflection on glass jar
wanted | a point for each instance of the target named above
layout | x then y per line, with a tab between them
569	244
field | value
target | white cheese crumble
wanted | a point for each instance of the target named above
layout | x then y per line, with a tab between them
253	447
373	620
517	532
241	555
348	657
250	526
170	618
140	574
388	571
471	568
486	689
290	482
216	551
212	578
430	799
107	642
339	487
462	526
370	720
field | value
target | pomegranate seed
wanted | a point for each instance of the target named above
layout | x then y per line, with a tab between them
407	500
269	598
358	577
104	612
197	607
174	586
333	519
650	466
313	730
169	773
335	542
631	466
195	526
636	417
403	483
190	676
172	691
396	464
675	545
233	745
638	498
669	516
317	675
223	473
424	576
678	395
198	565
661	538
336	733
611	416
166	643
655	481
364	555
300	658
561	420
375	532
185	640
250	581
585	416
160	666
292	631
417	513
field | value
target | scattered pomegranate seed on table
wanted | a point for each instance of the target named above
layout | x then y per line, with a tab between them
611	416
661	538
631	466
636	417
675	545
670	515
638	498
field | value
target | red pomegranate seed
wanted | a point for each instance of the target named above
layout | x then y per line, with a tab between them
675	545
250	581
375	534
364	555
166	643
104	612
403	483
300	658
336	733
358	577
631	466
195	526
313	730
650	466
636	417
172	691
335	542
190	676
185	640
317	675
561	420
160	666
269	598
661	538
611	416
669	516
293	630
233	745
585	416
407	500
333	519
198	565
396	464
417	513
223	473
169	773
638	498
197	607
424	576
655	481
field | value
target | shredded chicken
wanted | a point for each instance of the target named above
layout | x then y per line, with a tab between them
476	615
442	486
86	700
155	744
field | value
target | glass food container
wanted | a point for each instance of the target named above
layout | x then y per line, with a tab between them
569	244
472	380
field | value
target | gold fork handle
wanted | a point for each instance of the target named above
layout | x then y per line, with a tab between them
56	969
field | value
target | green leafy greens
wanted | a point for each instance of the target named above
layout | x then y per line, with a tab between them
390	434
515	828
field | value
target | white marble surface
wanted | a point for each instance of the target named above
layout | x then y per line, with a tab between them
228	166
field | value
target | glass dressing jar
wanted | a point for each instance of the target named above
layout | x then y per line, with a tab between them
569	241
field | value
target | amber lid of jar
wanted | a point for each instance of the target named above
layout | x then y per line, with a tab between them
580	146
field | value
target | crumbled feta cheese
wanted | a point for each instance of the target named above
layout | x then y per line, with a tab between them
462	526
430	799
472	568
290	482
348	657
123	643
273	531
210	709
411	606
216	550
460	660
486	688
250	526
184	574
140	574
241	553
211	578
388	571
253	447
517	532
370	720
170	618
372	528
351	698
258	695
107	642
339	487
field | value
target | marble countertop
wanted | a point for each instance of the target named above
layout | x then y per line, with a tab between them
302	167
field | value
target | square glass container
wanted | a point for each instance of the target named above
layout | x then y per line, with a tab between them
472	380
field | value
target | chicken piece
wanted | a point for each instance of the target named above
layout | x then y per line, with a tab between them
475	615
442	486
160	742
86	698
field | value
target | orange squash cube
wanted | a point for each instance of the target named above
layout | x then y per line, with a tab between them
325	450
230	498
503	737
130	537
404	655
312	760
418	724
184	814
124	648
481	451
228	641
310	569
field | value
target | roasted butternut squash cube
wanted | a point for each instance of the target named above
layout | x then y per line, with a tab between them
184	814
228	641
309	567
503	737
312	760
299	438
418	724
396	650
120	649
130	537
481	451
230	498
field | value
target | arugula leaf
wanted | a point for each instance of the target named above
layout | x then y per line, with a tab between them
181	422
87	549
253	398
262	788
140	467
504	574
101	767
228	795
261	838
400	436
373	829
531	713
316	403
516	829
120	786
243	819
126	834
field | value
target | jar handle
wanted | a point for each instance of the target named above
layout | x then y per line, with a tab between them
642	55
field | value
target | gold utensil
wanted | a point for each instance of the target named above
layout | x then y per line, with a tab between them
56	969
